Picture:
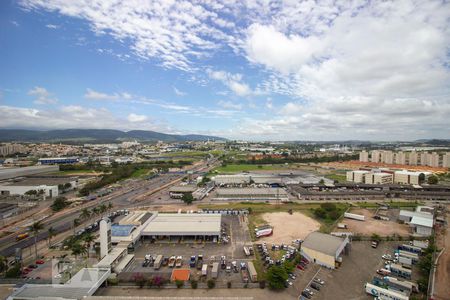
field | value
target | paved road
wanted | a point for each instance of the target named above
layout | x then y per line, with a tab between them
125	197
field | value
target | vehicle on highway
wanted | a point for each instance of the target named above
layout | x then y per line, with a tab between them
22	236
40	261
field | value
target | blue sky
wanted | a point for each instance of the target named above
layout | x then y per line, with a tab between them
255	70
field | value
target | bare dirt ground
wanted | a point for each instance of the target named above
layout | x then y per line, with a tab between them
442	276
289	227
370	225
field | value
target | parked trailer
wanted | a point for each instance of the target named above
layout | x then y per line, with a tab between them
381	282
252	272
264	232
354	216
405	260
410	248
247	251
158	262
215	270
400	271
205	270
412	286
383	294
414	257
420	244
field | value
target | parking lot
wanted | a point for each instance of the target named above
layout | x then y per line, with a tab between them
237	229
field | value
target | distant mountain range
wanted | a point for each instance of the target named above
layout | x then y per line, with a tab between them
96	136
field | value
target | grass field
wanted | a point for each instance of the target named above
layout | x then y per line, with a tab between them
74	172
337	177
248	167
140	173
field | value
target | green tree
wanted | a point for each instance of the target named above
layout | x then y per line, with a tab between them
13	272
211	283
321	181
78	249
194	284
433	179
36	227
276	277
51	233
187	198
3	264
179	283
85	214
59	203
88	240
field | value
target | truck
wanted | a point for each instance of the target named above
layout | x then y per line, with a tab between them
420	244
247	251
405	260
192	262
158	262
264	232
400	271
382	293
172	260
179	261
205	270
215	270
414	257
342	226
411	286
199	262
410	248
252	272
244	273
354	216
223	262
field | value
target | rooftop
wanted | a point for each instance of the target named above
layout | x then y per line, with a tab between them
425	222
184	224
122	230
322	242
251	191
35	181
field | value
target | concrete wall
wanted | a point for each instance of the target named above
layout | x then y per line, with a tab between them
320	258
49	191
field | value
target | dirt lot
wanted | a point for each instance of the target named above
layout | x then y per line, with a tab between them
289	227
370	225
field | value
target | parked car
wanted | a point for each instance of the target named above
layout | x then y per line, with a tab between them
305	294
40	262
315	286
319	281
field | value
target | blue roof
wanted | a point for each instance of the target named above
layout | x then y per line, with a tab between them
122	230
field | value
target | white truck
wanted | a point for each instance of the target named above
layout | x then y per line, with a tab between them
420	244
158	262
252	272
383	294
172	260
205	270
247	251
215	270
179	261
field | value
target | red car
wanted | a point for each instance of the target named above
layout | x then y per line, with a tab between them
300	267
40	262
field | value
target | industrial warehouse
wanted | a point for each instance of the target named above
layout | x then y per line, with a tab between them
251	194
173	225
324	249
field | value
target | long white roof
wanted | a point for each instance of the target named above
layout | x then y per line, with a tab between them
184	225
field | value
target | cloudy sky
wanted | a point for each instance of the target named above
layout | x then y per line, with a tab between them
261	70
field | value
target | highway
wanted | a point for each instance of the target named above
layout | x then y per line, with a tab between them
126	196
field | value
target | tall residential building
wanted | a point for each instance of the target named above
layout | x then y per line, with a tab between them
446	160
433	160
412	158
423	158
376	156
400	158
363	156
387	157
8	149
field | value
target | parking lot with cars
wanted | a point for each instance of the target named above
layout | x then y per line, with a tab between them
192	254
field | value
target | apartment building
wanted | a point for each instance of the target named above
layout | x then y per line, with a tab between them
364	156
8	149
409	177
400	158
413	158
375	156
446	160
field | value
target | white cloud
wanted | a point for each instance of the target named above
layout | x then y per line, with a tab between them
178	92
232	81
74	116
229	105
52	26
134	118
42	96
95	95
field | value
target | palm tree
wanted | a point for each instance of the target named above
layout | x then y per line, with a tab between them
51	233
110	206
76	222
35	228
96	211
78	249
103	208
85	214
88	239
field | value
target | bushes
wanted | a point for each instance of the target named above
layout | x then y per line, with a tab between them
194	284
262	284
229	284
179	283
211	283
59	204
328	212
277	276
13	272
